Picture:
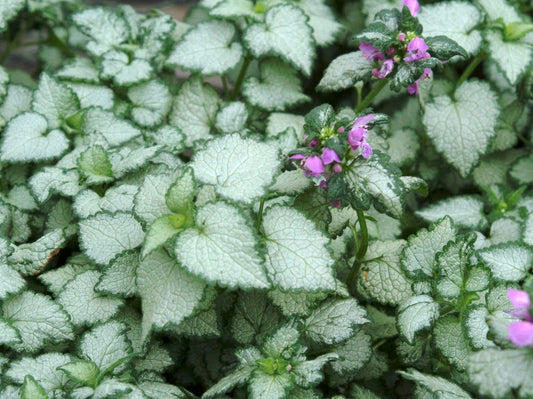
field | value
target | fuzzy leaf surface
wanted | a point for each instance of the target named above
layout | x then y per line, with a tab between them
344	71
508	262
465	211
416	313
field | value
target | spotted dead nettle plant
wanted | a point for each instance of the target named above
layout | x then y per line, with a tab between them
271	199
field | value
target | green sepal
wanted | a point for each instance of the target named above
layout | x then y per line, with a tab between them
84	372
32	390
444	48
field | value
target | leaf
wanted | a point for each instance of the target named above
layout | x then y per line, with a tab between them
93	95
297	256
285	33
106	28
418	258
79	70
116	131
308	374
56	278
125	160
254	318
321	20
154	389
279	122
334	321
438	386
8	334
117	66
17	100
169	294
506	370
150	201
382	277
8	10
269	386
512	57
471	116
238	377
32	258
32	390
116	198
94	166
454	19
208	49
27	138
279	88
233	9
521	170
105	235
83	372
83	304
466	212
38	319
55	101
194	110
415	314
161	231
157	359
151	102
508	262
353	353
444	48
344	71
375	179
450	340
528	229
240	169
476	327
222	248
105	344
10	281
180	195
43	368
232	118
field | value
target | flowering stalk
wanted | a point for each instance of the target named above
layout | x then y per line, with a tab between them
371	95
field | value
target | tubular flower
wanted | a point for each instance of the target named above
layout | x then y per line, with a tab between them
412	5
369	52
385	69
413	89
311	164
359	133
520	332
417	50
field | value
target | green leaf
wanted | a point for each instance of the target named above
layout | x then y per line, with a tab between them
119	277
444	48
353	353
94	166
471	115
105	345
116	131
291	182
154	389
512	57
238	377
521	170
32	258
278	89
8	10
43	368
507	370
56	278
27	138
79	70
168	136
375	179
254	318
105	235
55	101
125	160
476	327
203	324
10	281
222	248
93	96
292	41
162	230
233	9
418	258
415	314
439	387
270	386
297	256
38	319
528	229
308	374
151	102
117	66
207	49
194	110
344	71
232	118
382	277
508	262
151	201
478	279
335	321
322	20
106	28
32	390
279	122
83	304
8	334
466	212
17	100
240	169
116	198
180	195
450	340
83	372
454	19
169	294
157	359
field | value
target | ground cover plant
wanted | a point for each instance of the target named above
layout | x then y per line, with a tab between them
271	199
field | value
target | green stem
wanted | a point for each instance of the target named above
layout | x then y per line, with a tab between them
364	235
471	67
370	96
260	214
240	78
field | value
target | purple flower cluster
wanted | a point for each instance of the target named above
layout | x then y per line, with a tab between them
520	332
414	48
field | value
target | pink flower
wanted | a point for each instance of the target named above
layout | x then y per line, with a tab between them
402	36
369	52
521	333
521	303
329	156
311	164
417	50
412	5
386	68
359	133
413	89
